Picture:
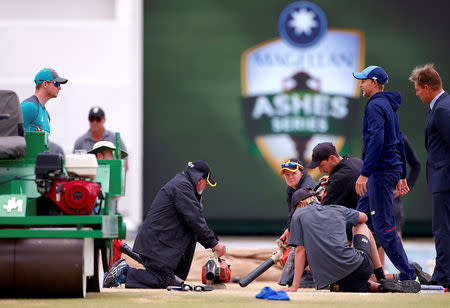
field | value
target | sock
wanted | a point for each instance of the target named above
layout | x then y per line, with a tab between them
379	273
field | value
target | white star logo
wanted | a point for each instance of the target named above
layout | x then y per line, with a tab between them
303	21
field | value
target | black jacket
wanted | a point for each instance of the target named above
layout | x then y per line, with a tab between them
306	181
341	183
173	225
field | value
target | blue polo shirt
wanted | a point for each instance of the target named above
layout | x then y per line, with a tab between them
35	116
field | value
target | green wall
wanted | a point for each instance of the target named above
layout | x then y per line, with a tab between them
192	88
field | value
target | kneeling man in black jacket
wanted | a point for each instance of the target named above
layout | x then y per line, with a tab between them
166	240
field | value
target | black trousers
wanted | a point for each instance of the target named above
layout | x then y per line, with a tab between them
149	278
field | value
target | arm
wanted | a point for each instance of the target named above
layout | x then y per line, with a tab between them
402	186
403	156
375	129
299	267
285	236
334	195
362	218
338	189
220	248
360	185
189	208
352	216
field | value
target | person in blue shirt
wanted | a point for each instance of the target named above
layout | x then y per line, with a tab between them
384	167
35	116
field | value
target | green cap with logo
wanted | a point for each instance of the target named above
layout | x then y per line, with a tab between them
48	74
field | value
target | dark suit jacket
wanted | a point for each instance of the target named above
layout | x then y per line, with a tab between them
437	143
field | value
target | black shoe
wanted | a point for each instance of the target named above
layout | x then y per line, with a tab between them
390	285
405	286
424	277
410	286
395	278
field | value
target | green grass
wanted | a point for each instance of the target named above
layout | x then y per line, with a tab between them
234	298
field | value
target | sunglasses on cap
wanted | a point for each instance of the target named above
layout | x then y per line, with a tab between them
291	166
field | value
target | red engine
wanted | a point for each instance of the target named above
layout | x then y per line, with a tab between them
74	197
216	271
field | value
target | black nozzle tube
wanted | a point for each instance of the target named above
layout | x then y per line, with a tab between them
256	272
126	249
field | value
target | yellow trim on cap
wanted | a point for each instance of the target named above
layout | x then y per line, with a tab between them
292	170
207	180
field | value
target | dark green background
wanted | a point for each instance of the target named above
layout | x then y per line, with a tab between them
192	88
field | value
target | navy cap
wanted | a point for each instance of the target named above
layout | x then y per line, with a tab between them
96	112
203	167
301	194
321	152
48	74
373	72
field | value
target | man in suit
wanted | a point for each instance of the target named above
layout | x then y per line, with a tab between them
428	85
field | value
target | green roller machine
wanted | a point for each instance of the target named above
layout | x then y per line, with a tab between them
58	216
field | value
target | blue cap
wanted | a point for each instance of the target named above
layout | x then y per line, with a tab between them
48	74
373	72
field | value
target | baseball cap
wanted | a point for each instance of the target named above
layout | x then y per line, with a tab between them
96	112
292	164
106	145
301	194
203	167
48	74
321	152
373	72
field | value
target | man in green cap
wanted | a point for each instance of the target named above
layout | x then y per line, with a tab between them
35	116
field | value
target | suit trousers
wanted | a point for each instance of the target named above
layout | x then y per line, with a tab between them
441	232
377	204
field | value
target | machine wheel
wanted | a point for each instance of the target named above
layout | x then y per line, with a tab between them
95	283
48	267
107	255
7	247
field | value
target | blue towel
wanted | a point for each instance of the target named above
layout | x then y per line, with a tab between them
269	293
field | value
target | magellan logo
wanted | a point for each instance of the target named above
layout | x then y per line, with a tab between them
295	97
302	24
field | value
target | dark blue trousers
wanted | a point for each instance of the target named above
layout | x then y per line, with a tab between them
148	278
441	232
377	204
